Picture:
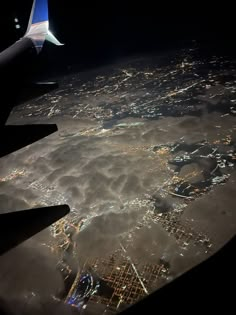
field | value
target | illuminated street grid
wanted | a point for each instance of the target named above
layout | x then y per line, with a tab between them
121	274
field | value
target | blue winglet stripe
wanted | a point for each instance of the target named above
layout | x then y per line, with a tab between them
40	11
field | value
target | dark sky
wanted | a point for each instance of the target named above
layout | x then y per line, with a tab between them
95	34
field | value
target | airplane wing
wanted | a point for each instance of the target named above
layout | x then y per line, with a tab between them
16	71
15	137
16	227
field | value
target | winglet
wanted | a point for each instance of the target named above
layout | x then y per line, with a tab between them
51	38
38	27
